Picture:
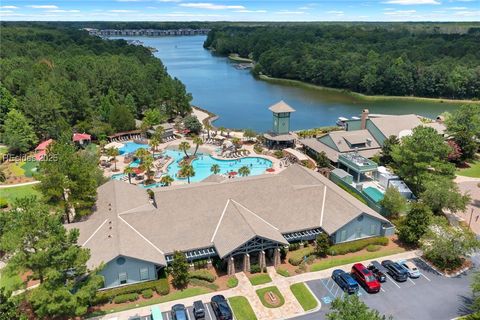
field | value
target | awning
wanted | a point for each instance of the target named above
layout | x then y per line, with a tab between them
116	145
297	154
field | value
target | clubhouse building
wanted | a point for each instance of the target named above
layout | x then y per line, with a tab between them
240	221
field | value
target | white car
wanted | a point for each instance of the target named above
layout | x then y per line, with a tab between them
411	268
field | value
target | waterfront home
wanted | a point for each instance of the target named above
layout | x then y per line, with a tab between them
41	149
365	135
240	221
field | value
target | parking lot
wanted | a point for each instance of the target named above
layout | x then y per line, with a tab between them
432	296
209	315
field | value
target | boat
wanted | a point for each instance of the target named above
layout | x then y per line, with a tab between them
341	121
355	118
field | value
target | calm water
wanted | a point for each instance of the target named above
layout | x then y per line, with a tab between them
242	101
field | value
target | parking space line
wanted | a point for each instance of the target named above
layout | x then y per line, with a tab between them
168	317
425	277
411	281
381	288
393	281
188	315
207	306
335	295
362	291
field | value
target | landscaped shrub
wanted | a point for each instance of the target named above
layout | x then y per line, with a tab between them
354	246
200	264
295	261
126	297
373	247
162	287
3	203
202	275
310	259
232	282
147	294
110	294
283	272
297	257
203	283
278	154
255	268
294	246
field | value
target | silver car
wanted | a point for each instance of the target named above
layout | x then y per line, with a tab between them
411	268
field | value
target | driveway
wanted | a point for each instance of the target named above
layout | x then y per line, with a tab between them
432	296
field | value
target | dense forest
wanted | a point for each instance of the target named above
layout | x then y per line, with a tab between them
371	59
62	78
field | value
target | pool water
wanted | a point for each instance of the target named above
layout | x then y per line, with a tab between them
131	147
374	194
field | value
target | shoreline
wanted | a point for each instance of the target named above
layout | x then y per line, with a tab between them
235	57
361	96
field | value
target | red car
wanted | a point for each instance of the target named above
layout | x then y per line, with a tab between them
365	278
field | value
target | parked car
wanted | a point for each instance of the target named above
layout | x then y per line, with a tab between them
198	310
221	308
378	271
345	281
396	271
365	278
179	312
412	269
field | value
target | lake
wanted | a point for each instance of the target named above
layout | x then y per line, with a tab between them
242	101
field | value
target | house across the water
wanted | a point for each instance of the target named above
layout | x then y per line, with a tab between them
239	221
366	135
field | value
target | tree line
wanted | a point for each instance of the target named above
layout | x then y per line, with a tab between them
371	59
61	78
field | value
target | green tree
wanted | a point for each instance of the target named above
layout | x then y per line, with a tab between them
7	103
414	225
394	202
184	146
159	132
352	308
113	152
475	285
244	171
322	244
215	169
9	307
420	155
3	175
121	119
249	134
179	270
387	147
191	123
464	125
141	153
147	165
18	135
443	193
128	171
322	160
154	143
197	141
186	171
445	245
208	127
166	180
153	117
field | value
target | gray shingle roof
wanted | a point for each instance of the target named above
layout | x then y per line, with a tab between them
187	216
394	124
280	107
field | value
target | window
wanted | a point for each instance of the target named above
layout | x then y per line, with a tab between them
343	235
122	277
144	274
373	229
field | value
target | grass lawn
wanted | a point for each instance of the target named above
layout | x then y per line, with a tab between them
242	308
304	296
10	280
338	261
30	167
19	192
232	282
189	292
473	171
261	278
261	294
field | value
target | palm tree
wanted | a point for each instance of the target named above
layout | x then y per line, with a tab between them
113	152
154	143
141	153
184	146
147	163
244	171
222	129
187	171
129	171
198	142
166	180
215	169
102	145
208	127
159	132
144	128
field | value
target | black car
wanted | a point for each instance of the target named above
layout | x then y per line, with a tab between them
198	310
395	270
345	281
221	308
179	312
377	271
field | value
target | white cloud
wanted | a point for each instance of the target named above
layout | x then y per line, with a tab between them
289	12
400	12
5	11
46	6
467	13
129	0
251	11
8	7
152	8
412	2
458	8
62	11
122	11
335	12
169	0
211	6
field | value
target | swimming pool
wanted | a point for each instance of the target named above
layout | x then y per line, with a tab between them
131	147
374	194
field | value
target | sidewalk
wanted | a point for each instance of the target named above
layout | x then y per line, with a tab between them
290	309
5	186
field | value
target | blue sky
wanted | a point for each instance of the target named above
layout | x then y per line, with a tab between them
241	10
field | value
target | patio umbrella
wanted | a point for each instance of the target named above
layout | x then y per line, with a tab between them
137	170
232	173
270	170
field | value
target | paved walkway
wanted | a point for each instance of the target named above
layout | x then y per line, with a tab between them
5	186
472	212
290	309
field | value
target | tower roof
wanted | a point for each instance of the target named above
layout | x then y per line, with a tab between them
281	107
